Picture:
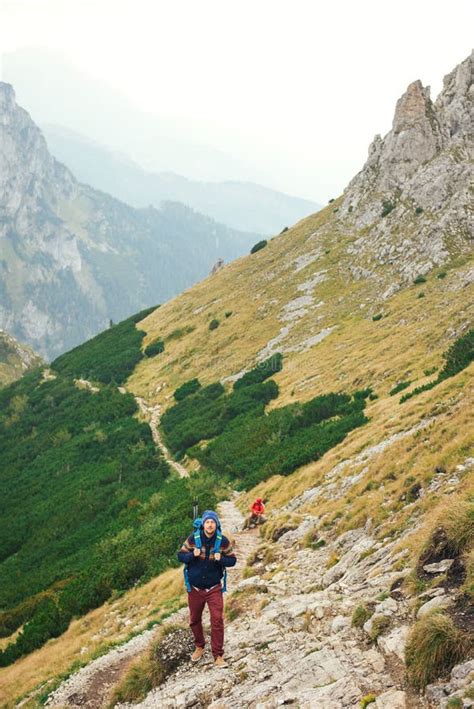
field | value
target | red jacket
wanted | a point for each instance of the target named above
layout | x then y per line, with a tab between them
258	508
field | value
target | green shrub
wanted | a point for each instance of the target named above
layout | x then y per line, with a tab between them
387	207
360	616
368	699
189	387
282	440
421	294
458	357
258	246
434	646
228	313
214	324
454	703
399	387
377	317
111	356
419	279
419	210
442	274
262	371
379	624
155	348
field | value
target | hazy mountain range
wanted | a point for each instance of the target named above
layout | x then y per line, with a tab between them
73	258
242	205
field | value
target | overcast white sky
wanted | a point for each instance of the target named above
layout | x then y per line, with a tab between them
301	87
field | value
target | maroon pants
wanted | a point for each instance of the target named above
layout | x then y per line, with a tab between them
197	599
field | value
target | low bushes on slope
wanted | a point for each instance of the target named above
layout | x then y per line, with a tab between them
249	445
256	446
86	503
206	412
458	357
111	356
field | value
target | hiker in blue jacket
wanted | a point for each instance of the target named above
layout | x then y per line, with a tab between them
207	554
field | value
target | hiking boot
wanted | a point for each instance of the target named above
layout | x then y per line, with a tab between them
197	654
220	662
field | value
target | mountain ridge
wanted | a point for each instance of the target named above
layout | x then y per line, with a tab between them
74	257
241	205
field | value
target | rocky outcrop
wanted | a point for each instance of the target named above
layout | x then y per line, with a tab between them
15	359
73	258
412	197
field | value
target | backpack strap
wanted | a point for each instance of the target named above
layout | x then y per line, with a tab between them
217	549
218	542
197	538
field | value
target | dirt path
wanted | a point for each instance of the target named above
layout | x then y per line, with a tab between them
90	687
153	413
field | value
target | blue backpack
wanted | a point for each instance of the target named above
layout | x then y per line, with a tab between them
197	524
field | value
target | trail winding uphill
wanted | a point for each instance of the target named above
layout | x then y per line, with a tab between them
153	414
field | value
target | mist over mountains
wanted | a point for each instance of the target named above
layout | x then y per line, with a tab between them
74	258
241	205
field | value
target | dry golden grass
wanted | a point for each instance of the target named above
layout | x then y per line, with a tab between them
359	352
434	646
99	627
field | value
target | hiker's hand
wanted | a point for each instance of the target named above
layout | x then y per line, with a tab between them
217	556
197	552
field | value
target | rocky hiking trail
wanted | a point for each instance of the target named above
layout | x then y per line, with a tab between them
152	414
90	687
290	636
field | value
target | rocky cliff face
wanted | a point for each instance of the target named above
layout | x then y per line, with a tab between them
15	359
413	196
72	258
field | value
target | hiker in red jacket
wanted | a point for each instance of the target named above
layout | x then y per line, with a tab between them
256	516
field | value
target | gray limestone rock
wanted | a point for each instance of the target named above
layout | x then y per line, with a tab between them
440	568
436	603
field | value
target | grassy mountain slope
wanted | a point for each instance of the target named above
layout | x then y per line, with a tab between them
336	299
